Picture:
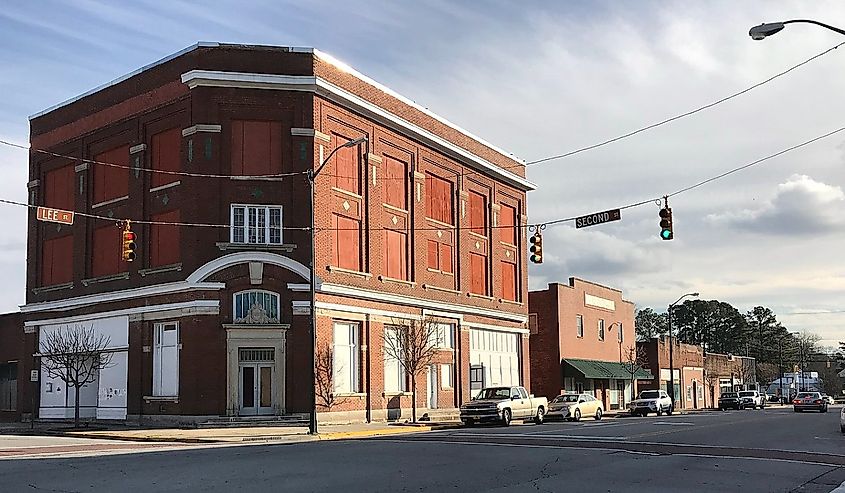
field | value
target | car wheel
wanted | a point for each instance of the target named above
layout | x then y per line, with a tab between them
577	415
842	428
598	414
541	413
659	411
723	409
506	417
469	422
824	409
670	411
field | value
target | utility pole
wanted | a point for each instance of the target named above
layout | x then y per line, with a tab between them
671	343
780	367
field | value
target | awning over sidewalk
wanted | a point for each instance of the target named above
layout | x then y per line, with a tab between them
605	369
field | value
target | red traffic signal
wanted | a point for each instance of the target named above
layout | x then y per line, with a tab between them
536	248
128	251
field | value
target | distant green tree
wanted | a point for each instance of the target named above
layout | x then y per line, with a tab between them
649	324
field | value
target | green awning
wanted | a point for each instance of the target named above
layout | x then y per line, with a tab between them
605	369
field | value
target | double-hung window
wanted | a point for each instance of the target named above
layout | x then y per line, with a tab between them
442	336
256	224
394	371
345	357
166	359
579	325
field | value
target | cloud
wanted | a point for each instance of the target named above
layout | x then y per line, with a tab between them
801	205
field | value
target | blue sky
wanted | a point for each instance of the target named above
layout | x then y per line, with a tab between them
539	78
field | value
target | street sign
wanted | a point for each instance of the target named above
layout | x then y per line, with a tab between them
598	218
54	215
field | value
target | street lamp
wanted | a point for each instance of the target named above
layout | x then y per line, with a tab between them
671	343
800	359
312	177
618	337
762	31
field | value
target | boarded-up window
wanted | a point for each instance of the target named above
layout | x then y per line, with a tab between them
111	182
478	270
478	213
58	188
164	240
396	254
439	256
395	183
509	285
106	251
57	260
256	147
438	199
507	224
347	244
164	156
347	166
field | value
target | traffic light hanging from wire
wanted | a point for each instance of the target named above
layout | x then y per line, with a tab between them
128	244
666	232
536	248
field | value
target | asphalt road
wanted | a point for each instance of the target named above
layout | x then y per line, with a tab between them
767	451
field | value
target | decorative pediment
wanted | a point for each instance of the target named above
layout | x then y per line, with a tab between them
257	315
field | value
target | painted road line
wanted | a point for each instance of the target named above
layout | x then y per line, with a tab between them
670	423
537	437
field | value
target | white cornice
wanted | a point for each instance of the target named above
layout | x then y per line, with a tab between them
306	83
124	294
517	330
416	302
186	308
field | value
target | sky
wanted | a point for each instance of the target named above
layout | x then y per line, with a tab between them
539	79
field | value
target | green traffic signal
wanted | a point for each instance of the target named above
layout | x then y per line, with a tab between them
666	234
666	224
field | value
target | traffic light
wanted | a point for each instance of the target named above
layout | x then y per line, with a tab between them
128	251
666	232
536	248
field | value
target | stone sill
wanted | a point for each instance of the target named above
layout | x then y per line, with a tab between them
111	277
397	394
480	296
54	287
109	202
359	395
159	270
397	281
440	223
269	247
511	302
437	288
347	193
438	271
165	186
341	270
162	398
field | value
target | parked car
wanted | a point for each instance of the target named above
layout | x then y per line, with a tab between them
752	399
842	420
829	399
729	400
809	400
573	406
651	401
504	404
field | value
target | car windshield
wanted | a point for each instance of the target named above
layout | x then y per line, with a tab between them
649	394
808	395
566	398
746	394
495	393
729	395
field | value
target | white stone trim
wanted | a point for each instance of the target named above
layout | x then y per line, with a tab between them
310	132
499	328
231	259
144	292
338	307
201	127
149	312
307	83
299	288
166	186
420	303
109	202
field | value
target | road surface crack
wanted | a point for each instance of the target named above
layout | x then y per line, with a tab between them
543	473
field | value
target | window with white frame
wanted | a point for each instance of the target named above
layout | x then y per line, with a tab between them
256	307
443	335
345	358
619	335
256	224
166	359
394	371
446	376
601	329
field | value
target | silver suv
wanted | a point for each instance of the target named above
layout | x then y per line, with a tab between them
651	401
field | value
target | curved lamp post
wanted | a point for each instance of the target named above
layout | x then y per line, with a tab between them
671	344
767	29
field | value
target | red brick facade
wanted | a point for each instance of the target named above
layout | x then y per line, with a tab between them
232	110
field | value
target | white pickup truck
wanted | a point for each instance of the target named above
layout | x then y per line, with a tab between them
504	404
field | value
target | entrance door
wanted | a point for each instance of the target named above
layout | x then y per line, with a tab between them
432	387
255	382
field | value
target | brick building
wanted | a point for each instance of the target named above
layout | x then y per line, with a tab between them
424	220
580	335
727	373
15	365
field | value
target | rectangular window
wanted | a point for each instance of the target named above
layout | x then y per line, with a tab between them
446	377
9	387
394	373
438	199
111	182
395	175
507	224
164	156
164	239
396	254
440	256
345	358
256	147
579	325
478	269
601	329
166	360
256	224
509	284
106	251
477	213
347	245
58	188
347	166
57	260
444	336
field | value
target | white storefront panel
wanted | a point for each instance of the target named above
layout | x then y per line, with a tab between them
105	398
497	353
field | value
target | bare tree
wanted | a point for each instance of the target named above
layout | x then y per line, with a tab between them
634	360
711	379
324	375
413	342
744	368
75	355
